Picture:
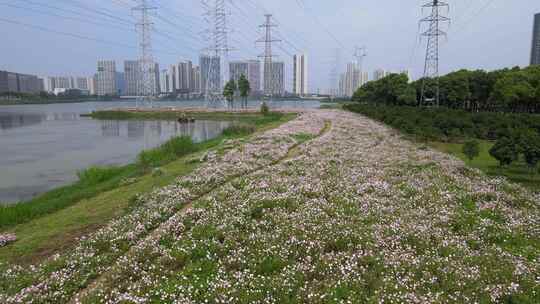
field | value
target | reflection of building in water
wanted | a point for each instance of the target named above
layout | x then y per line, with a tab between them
155	128
135	129
152	134
10	121
110	128
63	116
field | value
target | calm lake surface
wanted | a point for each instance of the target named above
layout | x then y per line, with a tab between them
44	146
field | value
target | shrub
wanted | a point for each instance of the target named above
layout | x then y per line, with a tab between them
471	149
530	147
180	146
167	152
505	151
239	129
265	109
96	175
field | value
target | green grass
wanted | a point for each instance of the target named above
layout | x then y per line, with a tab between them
169	151
239	129
517	172
57	199
54	221
170	115
95	180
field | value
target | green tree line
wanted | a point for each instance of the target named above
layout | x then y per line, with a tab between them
513	90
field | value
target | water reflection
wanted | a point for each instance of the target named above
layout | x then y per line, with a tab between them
9	121
43	151
43	146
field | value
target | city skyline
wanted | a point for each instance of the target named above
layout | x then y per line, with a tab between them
471	35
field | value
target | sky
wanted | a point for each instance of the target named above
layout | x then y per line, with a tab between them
67	37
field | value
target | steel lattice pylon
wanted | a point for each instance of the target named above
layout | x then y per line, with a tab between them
359	54
146	84
333	77
269	77
430	82
217	52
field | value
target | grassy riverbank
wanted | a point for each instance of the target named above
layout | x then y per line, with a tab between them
446	130
517	172
55	219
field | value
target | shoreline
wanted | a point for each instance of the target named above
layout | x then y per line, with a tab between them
72	208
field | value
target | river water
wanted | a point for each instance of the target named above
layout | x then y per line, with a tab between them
44	146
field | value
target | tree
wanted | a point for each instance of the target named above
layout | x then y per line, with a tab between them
244	87
228	92
530	146
471	149
505	151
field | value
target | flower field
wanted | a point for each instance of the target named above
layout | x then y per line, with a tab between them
331	207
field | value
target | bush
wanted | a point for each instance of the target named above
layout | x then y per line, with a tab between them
471	149
96	175
443	124
530	147
505	151
167	152
265	109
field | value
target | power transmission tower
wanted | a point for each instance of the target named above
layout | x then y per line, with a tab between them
359	54
147	72
334	71
217	53
269	81
430	83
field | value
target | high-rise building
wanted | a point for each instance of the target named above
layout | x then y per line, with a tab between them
132	77
237	69
535	52
352	80
251	69
91	85
380	74
19	83
278	77
173	72
63	82
106	78
210	73
184	77
300	79
196	76
120	84
81	83
254	76
164	81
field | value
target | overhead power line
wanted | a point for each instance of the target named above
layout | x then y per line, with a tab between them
474	16
315	18
78	36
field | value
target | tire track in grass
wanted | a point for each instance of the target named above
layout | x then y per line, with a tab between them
99	282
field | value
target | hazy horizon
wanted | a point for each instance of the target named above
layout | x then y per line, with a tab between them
486	34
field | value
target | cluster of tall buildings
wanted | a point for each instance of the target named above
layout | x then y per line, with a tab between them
180	79
354	78
60	84
351	80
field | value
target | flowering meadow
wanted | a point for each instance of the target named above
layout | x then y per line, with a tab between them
331	207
